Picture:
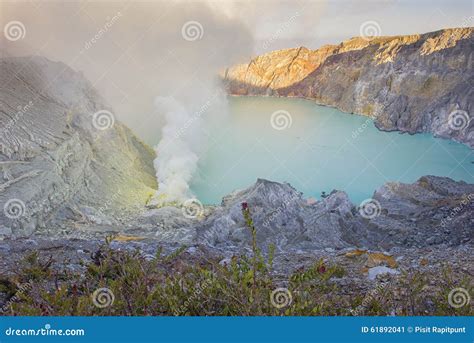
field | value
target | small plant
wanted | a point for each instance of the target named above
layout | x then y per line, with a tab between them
253	232
176	284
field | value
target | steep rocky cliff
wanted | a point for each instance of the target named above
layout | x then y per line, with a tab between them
416	83
67	173
63	156
434	212
431	211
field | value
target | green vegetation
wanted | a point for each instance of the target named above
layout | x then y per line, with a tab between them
171	286
176	285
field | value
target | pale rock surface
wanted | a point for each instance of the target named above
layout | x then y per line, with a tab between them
80	183
407	83
54	161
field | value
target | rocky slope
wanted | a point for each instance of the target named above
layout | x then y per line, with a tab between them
410	226
65	175
71	182
434	211
416	83
59	159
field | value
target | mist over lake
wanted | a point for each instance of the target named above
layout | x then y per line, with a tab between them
236	158
317	149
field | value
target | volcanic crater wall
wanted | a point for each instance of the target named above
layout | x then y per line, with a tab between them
56	159
415	83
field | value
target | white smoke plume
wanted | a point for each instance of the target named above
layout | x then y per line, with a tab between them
177	162
156	63
183	142
194	100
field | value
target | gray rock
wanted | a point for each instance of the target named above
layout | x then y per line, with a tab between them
380	270
66	179
166	224
5	232
283	218
415	83
56	158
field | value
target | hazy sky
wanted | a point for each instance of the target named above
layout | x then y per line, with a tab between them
317	22
134	51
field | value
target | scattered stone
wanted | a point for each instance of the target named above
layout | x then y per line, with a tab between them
5	232
123	238
377	259
380	270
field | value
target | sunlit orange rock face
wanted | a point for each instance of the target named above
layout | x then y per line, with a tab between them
409	83
279	69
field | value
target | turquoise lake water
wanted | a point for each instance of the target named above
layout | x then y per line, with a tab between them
323	149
